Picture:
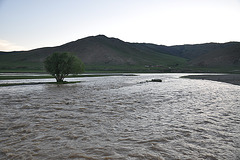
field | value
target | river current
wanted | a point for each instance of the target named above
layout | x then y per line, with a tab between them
121	117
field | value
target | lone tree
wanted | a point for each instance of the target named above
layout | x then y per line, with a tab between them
60	65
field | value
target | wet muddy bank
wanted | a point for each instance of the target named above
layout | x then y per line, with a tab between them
227	78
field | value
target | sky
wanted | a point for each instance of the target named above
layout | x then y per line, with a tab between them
30	24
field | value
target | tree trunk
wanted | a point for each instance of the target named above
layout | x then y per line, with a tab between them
59	78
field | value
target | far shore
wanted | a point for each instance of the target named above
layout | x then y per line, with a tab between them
227	78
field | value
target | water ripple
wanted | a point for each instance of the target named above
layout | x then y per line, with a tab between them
121	118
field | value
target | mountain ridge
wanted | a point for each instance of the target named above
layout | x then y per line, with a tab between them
103	53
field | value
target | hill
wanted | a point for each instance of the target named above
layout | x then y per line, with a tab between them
101	53
208	54
216	57
211	54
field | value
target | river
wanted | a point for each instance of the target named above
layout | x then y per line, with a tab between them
121	117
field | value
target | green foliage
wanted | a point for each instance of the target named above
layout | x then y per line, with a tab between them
60	65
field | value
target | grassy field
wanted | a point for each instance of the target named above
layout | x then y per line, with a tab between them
164	63
37	68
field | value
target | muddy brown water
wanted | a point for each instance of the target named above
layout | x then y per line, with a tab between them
121	117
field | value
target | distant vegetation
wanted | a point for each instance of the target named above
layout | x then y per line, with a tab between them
60	65
103	54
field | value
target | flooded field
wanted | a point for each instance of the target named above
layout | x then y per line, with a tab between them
121	117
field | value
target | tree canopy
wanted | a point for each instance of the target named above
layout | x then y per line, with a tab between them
60	65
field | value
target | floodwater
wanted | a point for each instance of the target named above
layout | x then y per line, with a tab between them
121	117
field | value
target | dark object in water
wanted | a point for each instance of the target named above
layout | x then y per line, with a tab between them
152	80
155	80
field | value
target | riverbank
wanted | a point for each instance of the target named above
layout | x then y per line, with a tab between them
30	76
12	77
227	78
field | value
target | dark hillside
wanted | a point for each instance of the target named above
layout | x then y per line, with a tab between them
208	54
227	54
160	48
193	51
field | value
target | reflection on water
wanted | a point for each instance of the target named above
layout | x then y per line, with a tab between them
121	118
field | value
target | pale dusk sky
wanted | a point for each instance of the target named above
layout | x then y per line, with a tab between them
30	24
